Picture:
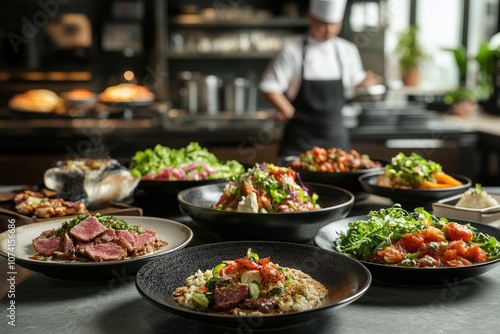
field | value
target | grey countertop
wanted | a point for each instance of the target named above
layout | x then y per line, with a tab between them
45	305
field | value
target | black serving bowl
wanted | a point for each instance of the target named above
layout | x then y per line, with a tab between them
346	180
345	279
411	198
328	237
196	202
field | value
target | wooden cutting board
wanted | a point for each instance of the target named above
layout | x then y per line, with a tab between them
113	208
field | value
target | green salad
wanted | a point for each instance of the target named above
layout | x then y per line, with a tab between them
412	169
192	162
416	238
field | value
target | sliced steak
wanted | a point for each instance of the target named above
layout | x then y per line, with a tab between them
68	246
145	242
47	246
226	298
261	304
88	229
126	239
108	236
106	252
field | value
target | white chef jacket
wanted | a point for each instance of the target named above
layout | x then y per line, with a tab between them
284	73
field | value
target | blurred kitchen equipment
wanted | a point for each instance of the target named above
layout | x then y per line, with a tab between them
188	91
371	93
209	94
237	95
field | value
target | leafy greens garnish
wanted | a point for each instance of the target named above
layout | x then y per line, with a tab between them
365	237
411	169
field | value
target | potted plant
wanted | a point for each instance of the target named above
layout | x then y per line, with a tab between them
463	100
410	54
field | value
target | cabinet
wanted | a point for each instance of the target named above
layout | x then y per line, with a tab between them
228	39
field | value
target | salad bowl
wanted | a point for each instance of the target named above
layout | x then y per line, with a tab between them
299	227
346	180
328	237
412	197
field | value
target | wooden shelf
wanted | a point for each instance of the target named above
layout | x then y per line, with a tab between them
272	22
220	55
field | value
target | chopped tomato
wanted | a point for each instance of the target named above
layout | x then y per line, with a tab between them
246	263
271	274
475	254
411	242
264	261
391	255
456	231
433	234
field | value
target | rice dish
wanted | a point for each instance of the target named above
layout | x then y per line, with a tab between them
250	286
476	198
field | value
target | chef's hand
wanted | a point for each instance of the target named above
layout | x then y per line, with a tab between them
371	79
280	102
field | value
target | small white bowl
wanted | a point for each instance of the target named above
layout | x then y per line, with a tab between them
446	208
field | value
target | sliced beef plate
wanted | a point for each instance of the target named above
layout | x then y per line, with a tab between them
226	298
88	229
108	251
47	246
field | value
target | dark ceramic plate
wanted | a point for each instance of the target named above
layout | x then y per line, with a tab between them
412	197
176	234
290	226
345	279
328	237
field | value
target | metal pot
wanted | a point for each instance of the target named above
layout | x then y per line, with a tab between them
209	94
188	91
237	95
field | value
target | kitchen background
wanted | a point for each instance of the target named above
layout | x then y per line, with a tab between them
203	60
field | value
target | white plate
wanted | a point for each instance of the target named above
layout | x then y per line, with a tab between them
177	236
446	208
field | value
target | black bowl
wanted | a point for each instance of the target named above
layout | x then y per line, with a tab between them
345	279
411	198
328	238
288	226
347	180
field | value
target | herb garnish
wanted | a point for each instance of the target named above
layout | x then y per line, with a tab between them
108	221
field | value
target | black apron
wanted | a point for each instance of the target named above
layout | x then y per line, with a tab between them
318	115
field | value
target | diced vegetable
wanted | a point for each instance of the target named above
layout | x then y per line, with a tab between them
250	276
217	269
254	290
201	299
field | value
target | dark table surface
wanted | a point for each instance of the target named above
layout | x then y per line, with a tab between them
46	305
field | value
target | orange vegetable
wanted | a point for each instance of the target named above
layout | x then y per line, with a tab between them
432	185
444	178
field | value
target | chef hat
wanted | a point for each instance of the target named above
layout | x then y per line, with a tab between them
328	10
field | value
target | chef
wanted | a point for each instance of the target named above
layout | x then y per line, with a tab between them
310	80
